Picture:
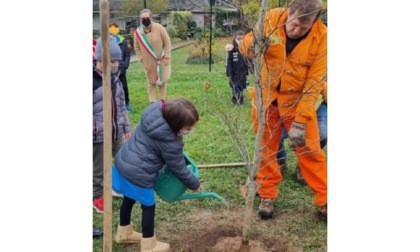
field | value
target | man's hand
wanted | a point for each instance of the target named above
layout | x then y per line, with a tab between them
297	135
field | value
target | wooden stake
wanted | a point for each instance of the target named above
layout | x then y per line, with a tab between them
104	19
222	165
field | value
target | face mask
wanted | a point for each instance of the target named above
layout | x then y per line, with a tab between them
114	69
146	22
184	132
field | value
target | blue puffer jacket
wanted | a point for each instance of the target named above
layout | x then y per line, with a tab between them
153	145
120	122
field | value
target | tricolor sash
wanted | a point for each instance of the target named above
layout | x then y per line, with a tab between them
145	42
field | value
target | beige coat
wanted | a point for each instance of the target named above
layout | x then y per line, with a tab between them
157	37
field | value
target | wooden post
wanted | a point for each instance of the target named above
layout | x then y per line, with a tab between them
224	165
104	18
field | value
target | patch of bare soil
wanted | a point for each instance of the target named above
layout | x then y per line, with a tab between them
207	231
235	244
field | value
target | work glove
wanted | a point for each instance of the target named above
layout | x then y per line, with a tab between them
297	135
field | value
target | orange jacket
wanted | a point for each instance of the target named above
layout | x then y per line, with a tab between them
324	93
302	74
322	97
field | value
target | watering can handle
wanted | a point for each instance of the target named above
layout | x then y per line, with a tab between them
199	195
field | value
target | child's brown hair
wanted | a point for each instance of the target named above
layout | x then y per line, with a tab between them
180	113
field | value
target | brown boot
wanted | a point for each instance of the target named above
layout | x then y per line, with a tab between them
151	245
126	234
299	177
322	212
266	208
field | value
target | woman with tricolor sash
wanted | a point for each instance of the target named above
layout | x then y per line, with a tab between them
153	49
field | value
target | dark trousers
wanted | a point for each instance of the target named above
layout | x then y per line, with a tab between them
237	85
123	79
98	165
147	216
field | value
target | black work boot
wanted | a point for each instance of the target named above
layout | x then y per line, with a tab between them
322	213
266	208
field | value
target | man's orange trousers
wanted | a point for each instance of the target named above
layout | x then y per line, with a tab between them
311	158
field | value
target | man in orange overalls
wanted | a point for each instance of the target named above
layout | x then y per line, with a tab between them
293	72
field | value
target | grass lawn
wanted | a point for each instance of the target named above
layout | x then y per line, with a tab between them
294	223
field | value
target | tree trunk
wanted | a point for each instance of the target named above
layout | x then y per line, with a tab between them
259	48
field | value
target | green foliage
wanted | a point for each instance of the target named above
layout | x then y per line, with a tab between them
130	8
180	20
249	10
192	25
221	17
199	33
172	32
200	53
199	60
219	32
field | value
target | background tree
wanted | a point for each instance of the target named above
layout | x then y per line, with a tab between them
249	10
200	53
179	20
132	8
224	20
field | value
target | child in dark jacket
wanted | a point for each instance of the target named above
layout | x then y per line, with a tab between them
121	127
237	69
157	141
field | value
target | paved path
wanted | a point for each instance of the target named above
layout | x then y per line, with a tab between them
133	57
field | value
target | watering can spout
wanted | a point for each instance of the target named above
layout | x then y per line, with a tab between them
200	195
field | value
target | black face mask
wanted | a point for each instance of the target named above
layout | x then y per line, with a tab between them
146	22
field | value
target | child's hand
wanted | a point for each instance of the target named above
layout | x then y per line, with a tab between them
199	189
127	135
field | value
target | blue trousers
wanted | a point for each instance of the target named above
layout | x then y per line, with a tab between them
321	114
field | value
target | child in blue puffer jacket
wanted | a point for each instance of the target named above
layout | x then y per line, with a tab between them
157	141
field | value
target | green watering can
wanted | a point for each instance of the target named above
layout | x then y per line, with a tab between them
171	189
